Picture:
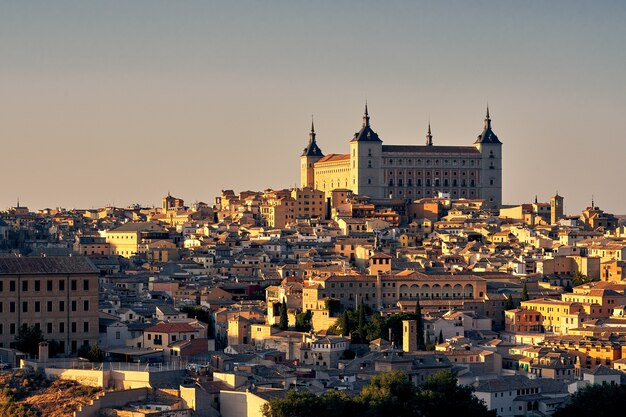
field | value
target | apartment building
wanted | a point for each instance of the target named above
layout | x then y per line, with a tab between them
58	295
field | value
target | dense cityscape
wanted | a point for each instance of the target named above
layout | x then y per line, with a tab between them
312	209
390	269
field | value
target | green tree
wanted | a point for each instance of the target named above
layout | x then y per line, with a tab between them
525	296
440	339
28	338
346	327
509	303
421	345
361	325
596	400
202	314
303	321
374	327
441	396
93	353
387	394
391	394
283	323
429	344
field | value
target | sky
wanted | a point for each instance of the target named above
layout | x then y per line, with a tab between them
121	102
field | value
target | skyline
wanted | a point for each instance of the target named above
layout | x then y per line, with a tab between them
119	103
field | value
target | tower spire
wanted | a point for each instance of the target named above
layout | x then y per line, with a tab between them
366	117
429	136
312	134
487	119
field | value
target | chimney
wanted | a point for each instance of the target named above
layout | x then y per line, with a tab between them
43	352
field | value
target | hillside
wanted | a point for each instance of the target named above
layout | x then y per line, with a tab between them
26	393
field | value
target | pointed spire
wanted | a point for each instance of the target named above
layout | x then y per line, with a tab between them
429	136
487	119
536	200
312	134
366	117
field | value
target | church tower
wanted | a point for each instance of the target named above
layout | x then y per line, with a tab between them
556	208
366	151
312	153
490	180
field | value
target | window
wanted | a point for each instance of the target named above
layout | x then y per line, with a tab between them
73	285
74	305
49	306
86	306
12	286
24	306
86	327
49	285
12	307
73	327
24	286
37	306
61	327
37	285
86	285
61	305
49	328
61	285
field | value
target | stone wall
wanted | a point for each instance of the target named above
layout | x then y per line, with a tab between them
111	399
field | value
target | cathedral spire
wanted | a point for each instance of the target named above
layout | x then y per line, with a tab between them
487	119
366	117
429	137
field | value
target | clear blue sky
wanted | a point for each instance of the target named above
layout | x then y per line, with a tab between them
122	101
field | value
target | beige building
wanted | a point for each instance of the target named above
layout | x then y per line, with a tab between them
128	239
407	171
58	295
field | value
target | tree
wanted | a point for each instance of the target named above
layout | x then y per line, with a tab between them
420	326
361	325
387	394
303	321
93	353
202	314
509	303
345	324
283	323
440	340
429	344
441	396
374	327
28	338
525	296
596	400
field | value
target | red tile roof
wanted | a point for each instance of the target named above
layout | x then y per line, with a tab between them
171	328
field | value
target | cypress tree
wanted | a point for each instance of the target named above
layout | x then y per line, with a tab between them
440	340
361	328
284	320
525	293
429	343
420	326
345	324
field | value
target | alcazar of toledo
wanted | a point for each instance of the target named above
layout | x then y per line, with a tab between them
408	171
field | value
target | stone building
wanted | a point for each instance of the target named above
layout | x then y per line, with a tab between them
408	171
58	295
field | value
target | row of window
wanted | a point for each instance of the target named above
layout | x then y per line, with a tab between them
36	285
49	327
49	306
435	183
